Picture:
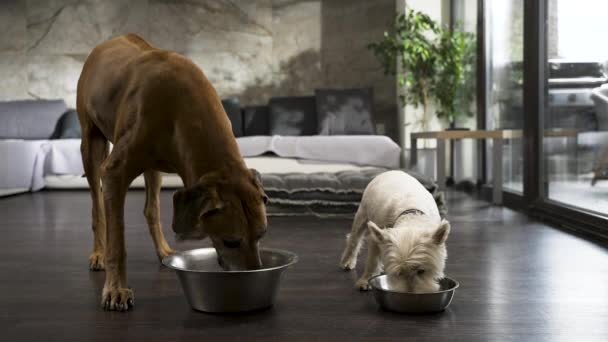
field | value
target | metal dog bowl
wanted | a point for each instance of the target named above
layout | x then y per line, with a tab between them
209	288
413	302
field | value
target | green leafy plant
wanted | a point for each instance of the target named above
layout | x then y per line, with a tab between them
412	45
454	81
468	88
437	64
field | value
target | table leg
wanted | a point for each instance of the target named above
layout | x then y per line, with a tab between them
497	149
454	145
572	143
413	152
441	163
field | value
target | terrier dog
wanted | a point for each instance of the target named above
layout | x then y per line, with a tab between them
411	244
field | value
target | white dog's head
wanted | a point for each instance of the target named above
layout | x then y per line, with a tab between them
413	259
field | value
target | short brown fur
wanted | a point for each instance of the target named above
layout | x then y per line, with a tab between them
162	114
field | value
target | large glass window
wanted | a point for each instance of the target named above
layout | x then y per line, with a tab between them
463	163
464	17
576	117
504	87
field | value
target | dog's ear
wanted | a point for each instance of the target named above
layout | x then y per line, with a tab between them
256	174
376	233
441	234
258	177
191	204
211	202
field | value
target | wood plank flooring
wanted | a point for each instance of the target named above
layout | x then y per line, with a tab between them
520	281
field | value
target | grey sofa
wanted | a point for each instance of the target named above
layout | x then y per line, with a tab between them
39	140
301	144
24	127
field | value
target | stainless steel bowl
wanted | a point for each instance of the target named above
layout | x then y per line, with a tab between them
413	302
209	288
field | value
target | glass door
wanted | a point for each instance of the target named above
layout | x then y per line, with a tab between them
503	22
575	141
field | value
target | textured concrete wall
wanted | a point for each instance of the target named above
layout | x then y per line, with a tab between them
252	49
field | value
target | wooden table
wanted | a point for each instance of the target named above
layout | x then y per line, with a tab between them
497	136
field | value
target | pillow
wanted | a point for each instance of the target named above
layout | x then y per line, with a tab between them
68	126
255	121
232	107
293	115
29	119
344	111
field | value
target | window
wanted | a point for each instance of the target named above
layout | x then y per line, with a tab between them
575	142
504	83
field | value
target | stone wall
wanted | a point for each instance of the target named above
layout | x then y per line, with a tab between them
251	49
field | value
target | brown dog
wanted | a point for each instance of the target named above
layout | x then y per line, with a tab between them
162	114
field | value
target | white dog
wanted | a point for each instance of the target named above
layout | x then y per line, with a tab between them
412	244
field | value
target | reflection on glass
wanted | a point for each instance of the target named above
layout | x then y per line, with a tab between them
576	162
504	25
465	19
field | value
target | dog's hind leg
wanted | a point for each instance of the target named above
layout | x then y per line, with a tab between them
94	150
152	213
354	240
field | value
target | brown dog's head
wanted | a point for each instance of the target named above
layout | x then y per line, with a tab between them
231	211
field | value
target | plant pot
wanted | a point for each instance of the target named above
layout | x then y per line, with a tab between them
454	128
457	129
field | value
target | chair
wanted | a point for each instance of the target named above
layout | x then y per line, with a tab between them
600	99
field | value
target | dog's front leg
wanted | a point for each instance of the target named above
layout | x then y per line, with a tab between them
354	240
115	295
371	267
152	213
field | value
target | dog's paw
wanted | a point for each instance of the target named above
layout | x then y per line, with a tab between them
348	261
117	299
164	252
363	285
96	261
348	264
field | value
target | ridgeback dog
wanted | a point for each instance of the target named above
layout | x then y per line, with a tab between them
162	114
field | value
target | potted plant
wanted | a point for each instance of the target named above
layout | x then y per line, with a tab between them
412	45
437	65
454	82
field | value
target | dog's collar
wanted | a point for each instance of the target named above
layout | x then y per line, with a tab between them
409	212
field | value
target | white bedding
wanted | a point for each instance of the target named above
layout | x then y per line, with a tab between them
34	164
22	164
63	158
374	150
13	191
368	150
262	164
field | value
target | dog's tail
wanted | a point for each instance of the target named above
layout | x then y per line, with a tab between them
439	197
432	187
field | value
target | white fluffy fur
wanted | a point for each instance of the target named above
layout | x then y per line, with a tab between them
411	247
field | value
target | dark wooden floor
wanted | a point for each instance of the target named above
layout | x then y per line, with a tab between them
520	281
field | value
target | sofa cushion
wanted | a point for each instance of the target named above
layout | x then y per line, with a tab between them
344	111
293	115
232	107
68	126
255	121
30	119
